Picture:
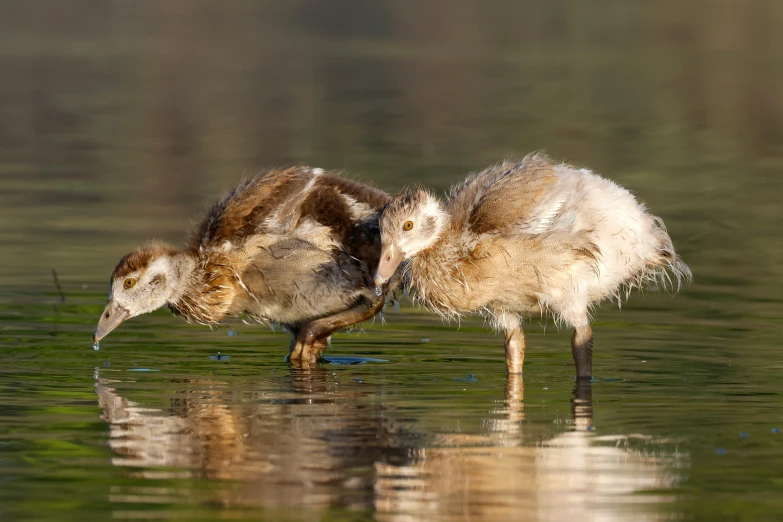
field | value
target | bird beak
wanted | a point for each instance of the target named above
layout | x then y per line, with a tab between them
111	318
391	258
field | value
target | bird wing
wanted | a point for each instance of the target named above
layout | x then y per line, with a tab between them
281	263
511	197
281	202
242	211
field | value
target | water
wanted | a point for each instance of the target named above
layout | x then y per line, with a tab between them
122	122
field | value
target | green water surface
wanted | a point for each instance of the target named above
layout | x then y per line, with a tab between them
122	121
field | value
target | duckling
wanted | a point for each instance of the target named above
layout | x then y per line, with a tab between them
527	237
296	247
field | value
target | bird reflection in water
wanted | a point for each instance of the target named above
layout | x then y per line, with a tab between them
309	442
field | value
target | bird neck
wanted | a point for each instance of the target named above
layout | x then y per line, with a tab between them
206	290
430	274
182	271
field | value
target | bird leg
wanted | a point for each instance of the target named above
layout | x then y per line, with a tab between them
515	389
509	423
582	405
296	347
294	331
515	348
582	350
306	354
310	342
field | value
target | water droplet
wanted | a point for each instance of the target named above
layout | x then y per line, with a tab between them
776	430
378	291
744	435
720	451
96	345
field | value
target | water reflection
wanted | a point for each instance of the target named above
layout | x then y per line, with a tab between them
499	477
309	443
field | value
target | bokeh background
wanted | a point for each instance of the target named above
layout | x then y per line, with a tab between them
122	121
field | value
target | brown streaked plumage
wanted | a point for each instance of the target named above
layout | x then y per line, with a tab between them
527	237
296	247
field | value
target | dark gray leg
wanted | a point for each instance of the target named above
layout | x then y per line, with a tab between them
582	405
294	331
582	350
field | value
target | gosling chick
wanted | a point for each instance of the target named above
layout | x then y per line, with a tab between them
296	247
527	237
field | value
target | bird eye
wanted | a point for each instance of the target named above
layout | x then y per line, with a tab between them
407	225
130	282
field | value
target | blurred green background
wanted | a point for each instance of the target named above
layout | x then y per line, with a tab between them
122	121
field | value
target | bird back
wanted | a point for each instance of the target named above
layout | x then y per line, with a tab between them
509	198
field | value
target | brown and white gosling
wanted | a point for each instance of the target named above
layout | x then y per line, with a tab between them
297	247
527	237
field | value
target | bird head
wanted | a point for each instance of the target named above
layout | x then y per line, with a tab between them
410	223
143	281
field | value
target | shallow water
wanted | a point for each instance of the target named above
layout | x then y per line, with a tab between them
121	123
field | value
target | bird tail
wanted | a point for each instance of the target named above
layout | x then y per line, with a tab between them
667	268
